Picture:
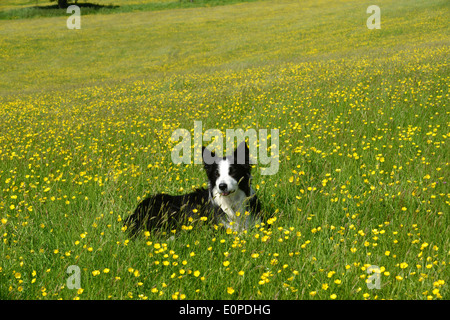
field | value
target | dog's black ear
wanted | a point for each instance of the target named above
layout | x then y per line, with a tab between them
242	154
208	156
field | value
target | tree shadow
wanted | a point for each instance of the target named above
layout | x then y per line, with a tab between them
54	10
88	5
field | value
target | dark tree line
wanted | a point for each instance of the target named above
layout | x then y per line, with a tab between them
62	3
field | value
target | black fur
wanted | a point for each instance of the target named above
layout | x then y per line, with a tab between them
163	211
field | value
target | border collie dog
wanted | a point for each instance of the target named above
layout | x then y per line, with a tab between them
229	199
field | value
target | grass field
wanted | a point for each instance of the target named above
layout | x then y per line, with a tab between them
85	124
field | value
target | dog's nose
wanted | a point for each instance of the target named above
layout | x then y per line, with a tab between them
223	186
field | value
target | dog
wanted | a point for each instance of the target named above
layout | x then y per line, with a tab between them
229	199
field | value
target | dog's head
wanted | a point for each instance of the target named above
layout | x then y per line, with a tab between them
228	174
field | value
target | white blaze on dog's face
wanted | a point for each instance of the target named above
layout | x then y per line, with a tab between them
225	183
227	175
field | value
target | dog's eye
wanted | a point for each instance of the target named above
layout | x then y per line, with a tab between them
216	174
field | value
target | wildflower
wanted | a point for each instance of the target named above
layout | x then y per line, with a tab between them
438	283
230	290
271	220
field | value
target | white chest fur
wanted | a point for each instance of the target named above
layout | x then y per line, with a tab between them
235	207
230	204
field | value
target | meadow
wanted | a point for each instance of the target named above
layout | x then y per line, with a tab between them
362	188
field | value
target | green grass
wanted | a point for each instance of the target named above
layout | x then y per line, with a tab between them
86	118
